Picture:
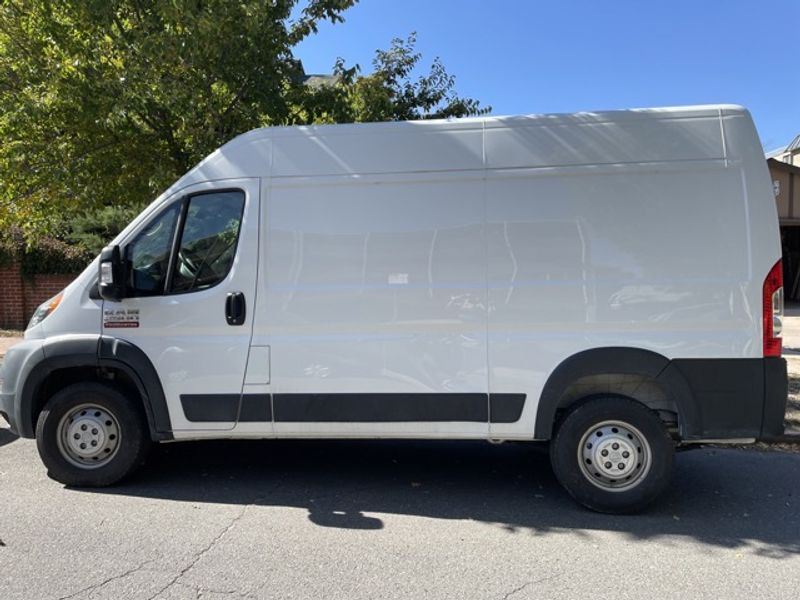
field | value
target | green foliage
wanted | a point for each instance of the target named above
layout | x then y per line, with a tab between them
81	239
12	244
94	229
107	102
53	256
49	255
389	93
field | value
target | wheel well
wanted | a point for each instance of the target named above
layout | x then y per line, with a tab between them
641	388
59	379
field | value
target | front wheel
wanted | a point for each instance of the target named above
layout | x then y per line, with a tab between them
89	434
612	454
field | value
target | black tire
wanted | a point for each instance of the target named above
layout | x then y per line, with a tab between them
66	412
592	427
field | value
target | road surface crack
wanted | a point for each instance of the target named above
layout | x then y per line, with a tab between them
200	591
97	586
518	589
201	554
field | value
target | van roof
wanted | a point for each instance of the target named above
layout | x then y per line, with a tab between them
533	119
617	136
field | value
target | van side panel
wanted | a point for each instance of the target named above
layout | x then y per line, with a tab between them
643	256
373	300
745	154
648	229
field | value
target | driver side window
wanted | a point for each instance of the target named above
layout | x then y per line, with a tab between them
208	242
198	257
148	254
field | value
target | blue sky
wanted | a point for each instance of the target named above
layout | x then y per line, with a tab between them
537	57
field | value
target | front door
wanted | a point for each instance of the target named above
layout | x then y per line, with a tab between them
191	287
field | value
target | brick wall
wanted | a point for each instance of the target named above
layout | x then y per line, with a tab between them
12	297
19	296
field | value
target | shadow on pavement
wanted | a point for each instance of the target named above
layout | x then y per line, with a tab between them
725	498
6	437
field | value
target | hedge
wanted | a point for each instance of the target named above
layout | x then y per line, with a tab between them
49	256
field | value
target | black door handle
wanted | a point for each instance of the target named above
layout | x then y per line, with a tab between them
235	308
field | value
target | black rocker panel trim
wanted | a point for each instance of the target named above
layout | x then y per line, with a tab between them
380	408
352	408
211	408
226	408
255	408
505	408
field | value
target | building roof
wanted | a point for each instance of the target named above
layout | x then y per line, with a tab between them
779	165
315	81
775	153
792	147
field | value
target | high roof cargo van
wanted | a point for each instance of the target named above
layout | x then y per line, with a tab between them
609	282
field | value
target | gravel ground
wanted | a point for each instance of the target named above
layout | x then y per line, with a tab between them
791	347
793	402
8	339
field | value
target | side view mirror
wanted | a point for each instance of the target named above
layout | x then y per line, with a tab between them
111	278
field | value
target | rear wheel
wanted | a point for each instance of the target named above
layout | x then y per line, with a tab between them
612	454
89	434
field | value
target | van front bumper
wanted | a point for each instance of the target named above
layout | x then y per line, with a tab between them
17	363
6	404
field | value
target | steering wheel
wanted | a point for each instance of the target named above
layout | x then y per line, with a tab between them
187	266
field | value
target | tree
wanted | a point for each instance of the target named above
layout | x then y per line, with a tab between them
388	93
107	102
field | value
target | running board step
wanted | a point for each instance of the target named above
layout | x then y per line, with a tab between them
787	437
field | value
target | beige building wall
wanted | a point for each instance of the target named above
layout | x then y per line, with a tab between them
780	182
786	181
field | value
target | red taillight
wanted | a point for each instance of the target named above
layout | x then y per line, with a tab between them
773	310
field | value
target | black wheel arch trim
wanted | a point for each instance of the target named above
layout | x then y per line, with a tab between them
135	363
57	354
98	351
623	361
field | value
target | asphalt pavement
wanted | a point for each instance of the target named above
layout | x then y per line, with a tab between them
387	519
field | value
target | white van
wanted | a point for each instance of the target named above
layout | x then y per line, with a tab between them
610	282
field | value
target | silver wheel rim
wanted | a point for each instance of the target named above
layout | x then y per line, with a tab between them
614	456
89	436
